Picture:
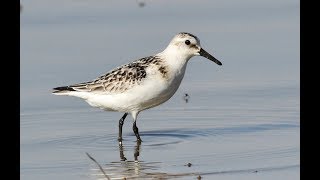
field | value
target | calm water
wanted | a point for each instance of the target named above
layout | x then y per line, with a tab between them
242	120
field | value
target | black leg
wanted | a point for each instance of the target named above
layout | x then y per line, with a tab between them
137	151
121	121
136	132
122	157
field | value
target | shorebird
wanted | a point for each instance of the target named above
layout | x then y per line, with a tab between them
141	84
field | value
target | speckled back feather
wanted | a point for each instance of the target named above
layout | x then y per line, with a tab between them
120	79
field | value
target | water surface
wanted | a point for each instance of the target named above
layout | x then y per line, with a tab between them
242	118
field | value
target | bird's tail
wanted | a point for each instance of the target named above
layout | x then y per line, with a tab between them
63	90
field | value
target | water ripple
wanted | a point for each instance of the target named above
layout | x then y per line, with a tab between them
208	132
81	141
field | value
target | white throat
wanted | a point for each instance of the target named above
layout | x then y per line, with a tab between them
176	59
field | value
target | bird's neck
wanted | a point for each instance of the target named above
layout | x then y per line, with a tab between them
176	60
174	64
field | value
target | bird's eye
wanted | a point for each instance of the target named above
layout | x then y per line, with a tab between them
187	42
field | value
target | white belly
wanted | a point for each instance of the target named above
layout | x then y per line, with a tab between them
154	91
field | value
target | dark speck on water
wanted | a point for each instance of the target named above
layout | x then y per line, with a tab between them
186	97
141	4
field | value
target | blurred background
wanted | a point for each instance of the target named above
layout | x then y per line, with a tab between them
256	89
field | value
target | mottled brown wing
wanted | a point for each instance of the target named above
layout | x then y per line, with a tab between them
117	81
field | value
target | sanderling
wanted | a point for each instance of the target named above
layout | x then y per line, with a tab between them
141	84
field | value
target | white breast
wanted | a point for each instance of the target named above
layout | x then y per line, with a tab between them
153	91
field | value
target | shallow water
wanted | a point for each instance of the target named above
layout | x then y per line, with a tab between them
227	142
241	121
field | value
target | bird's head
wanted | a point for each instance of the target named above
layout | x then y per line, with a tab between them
188	45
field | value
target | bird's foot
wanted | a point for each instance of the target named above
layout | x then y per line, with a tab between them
139	141
120	140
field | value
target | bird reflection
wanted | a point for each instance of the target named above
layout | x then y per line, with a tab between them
126	169
136	152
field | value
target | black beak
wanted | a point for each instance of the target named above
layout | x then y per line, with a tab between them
204	53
